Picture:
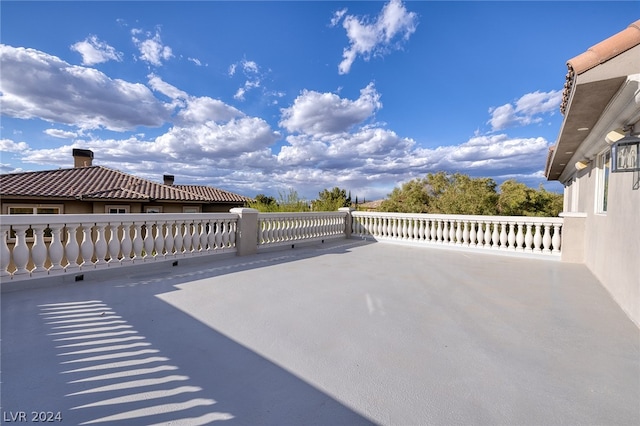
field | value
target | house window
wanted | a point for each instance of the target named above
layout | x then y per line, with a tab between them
34	209
602	187
191	209
117	209
153	209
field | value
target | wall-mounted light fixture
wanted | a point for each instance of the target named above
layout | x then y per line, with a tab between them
582	164
624	154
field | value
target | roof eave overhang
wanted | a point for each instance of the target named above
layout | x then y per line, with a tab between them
600	107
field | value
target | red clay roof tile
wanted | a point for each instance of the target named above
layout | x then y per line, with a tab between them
102	183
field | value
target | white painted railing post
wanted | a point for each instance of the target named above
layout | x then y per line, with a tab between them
246	241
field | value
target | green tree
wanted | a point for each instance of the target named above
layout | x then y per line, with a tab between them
412	197
286	202
332	200
517	199
460	194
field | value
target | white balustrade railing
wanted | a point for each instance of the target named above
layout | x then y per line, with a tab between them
289	228
39	245
518	234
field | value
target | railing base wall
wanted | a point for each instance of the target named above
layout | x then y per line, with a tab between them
288	245
134	270
455	247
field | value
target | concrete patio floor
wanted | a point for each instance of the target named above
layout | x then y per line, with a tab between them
342	333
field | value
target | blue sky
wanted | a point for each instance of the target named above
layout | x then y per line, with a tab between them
260	97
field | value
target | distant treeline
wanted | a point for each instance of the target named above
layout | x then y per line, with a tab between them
436	193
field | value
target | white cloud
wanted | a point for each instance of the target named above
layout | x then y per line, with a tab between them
393	25
337	17
7	145
61	134
94	51
251	71
239	95
195	61
38	85
526	110
323	113
165	88
249	66
200	110
152	50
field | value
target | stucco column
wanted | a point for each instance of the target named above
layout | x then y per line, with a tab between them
347	221
573	229
246	231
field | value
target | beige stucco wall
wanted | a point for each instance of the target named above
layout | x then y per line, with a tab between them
612	240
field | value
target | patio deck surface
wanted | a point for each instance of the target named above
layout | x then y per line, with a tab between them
342	333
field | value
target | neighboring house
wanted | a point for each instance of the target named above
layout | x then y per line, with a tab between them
97	189
601	104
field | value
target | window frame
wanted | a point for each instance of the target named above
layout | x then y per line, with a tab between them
125	207
603	177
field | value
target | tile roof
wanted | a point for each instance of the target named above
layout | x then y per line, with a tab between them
598	54
102	183
212	193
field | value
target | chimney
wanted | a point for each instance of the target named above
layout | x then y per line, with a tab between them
168	179
82	157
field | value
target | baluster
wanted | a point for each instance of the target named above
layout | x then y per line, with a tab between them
405	229
126	244
445	232
504	237
225	234
100	246
480	235
196	229
138	244
440	231
186	238
232	233
433	232
5	253
495	236
421	230
465	234
158	243
511	239
546	239
487	234
86	247
214	235
113	245
147	240
556	241
473	234
528	238
537	238
382	226
38	250
520	237
169	238
458	234
269	225
72	249
204	237
21	250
